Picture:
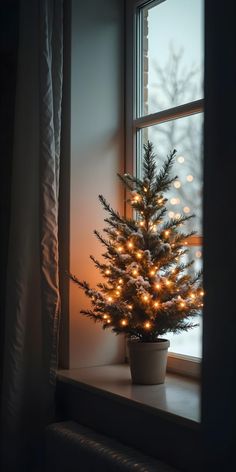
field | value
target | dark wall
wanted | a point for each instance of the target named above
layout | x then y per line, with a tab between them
9	10
219	342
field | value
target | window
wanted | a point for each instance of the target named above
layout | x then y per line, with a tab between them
166	108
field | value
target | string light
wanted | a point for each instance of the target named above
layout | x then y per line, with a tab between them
137	198
141	223
198	254
177	184
118	287
145	189
177	216
180	159
120	281
171	214
147	325
192	295
186	209
135	272
123	322
182	304
158	286
139	255
130	307
120	248
202	293
152	272
117	292
168	282
105	317
108	321
167	232
160	200
145	298
156	304
130	245
110	299
107	272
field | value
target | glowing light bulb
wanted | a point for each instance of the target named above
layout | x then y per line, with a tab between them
160	200
182	304
141	223
120	281
180	159
173	201
147	325
144	189
171	214
177	184
130	245
189	178
117	292
186	209
186	243
168	282
192	295
158	286
152	272
120	249
202	293
135	272
137	198
118	287
108	321
130	307
110	299
107	272
156	304
105	317
145	298
154	228
139	255
123	322
167	232
177	216
198	254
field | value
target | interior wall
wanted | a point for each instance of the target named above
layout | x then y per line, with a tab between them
97	145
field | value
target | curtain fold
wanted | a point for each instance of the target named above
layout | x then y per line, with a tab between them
32	299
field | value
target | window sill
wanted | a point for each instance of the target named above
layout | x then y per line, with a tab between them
179	397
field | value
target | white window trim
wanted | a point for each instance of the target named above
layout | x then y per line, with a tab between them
177	363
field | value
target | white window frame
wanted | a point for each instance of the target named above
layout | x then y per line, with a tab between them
182	364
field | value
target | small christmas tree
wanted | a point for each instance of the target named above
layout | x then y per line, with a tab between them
147	290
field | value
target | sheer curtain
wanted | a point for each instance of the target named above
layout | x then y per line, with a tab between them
32	299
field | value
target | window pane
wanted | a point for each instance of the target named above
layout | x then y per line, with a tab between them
184	135
171	54
190	343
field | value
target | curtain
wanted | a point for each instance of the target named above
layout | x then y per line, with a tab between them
32	298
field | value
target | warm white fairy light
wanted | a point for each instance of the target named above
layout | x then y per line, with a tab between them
118	287
120	248
156	304
120	281
130	244
174	201
177	184
198	254
186	243
160	200
105	317
137	198
180	159
147	325
154	228
141	223
168	282
110	299
167	232
130	307
202	293
117	292
171	214
158	286
177	216
192	295
139	255
145	298
189	178
145	189
107	272
186	209
135	272
152	272
108	321
124	322
182	304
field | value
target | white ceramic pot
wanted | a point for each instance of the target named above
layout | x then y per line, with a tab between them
148	361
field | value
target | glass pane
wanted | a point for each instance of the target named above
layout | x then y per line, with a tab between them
171	54
190	343
184	135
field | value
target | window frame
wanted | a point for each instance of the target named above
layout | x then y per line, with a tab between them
178	363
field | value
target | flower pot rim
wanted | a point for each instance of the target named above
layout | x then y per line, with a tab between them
158	341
